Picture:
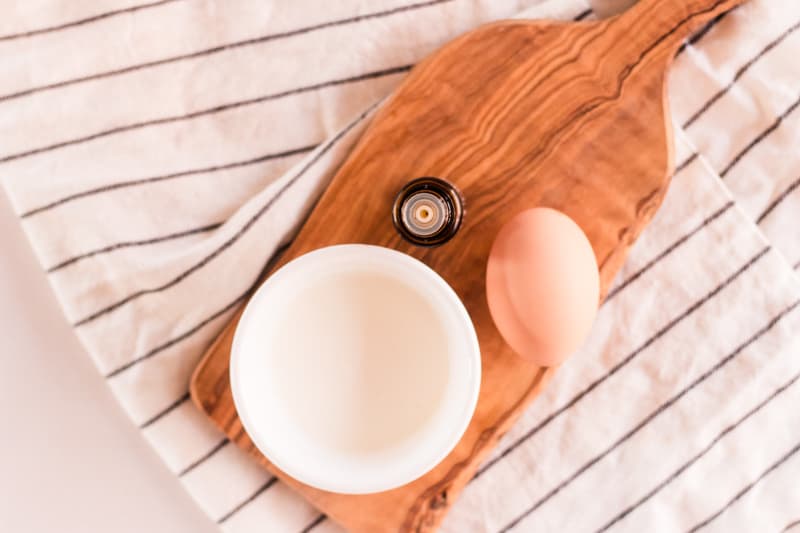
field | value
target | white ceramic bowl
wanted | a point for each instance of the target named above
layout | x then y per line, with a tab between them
355	368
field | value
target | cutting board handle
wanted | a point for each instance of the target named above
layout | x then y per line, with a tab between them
670	22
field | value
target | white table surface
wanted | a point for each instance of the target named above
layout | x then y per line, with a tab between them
70	460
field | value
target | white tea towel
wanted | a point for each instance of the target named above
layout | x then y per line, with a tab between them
158	154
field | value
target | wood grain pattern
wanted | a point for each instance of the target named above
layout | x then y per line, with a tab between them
516	114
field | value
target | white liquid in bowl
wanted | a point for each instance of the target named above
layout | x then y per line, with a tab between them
355	368
359	361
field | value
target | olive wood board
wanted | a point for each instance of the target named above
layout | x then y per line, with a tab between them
516	114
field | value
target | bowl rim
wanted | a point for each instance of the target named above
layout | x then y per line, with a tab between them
404	473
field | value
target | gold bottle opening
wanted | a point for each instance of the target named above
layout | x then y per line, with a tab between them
427	211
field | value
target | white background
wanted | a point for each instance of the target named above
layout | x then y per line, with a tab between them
70	459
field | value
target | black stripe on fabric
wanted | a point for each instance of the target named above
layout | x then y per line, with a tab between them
695	38
582	15
672	477
131	244
791	525
649	418
222	48
174	175
627	359
636	275
317	521
175	340
183	336
215	168
763	135
242	231
255	495
203	112
689	160
168	409
271	263
664	36
739	73
221	444
87	20
781	197
774	466
208	111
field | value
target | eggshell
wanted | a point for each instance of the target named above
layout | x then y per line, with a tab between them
542	285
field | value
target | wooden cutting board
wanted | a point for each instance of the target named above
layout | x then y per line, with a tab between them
515	114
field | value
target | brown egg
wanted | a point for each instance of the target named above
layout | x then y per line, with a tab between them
542	285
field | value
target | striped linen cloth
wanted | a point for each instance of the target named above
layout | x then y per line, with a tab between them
158	154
